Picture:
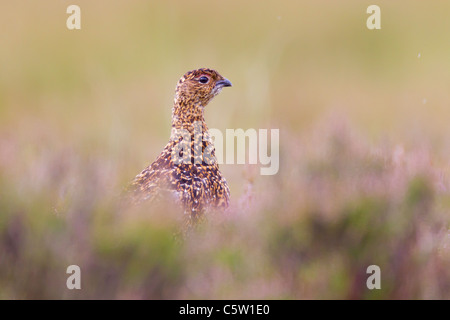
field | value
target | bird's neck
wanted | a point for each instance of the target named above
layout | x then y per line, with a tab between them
187	119
189	126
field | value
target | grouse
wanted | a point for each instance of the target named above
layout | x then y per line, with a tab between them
187	169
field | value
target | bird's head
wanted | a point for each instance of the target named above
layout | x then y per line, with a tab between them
196	88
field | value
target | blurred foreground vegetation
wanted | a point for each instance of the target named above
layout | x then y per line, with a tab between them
336	207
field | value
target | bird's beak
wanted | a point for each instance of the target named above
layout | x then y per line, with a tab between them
223	83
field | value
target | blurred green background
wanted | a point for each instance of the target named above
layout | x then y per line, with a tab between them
83	111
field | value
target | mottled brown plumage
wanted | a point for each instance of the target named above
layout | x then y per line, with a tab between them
187	169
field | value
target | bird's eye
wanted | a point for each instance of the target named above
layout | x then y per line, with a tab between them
203	79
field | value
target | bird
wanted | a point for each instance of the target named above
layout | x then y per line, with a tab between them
186	171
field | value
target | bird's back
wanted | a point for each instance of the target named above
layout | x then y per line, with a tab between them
195	186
